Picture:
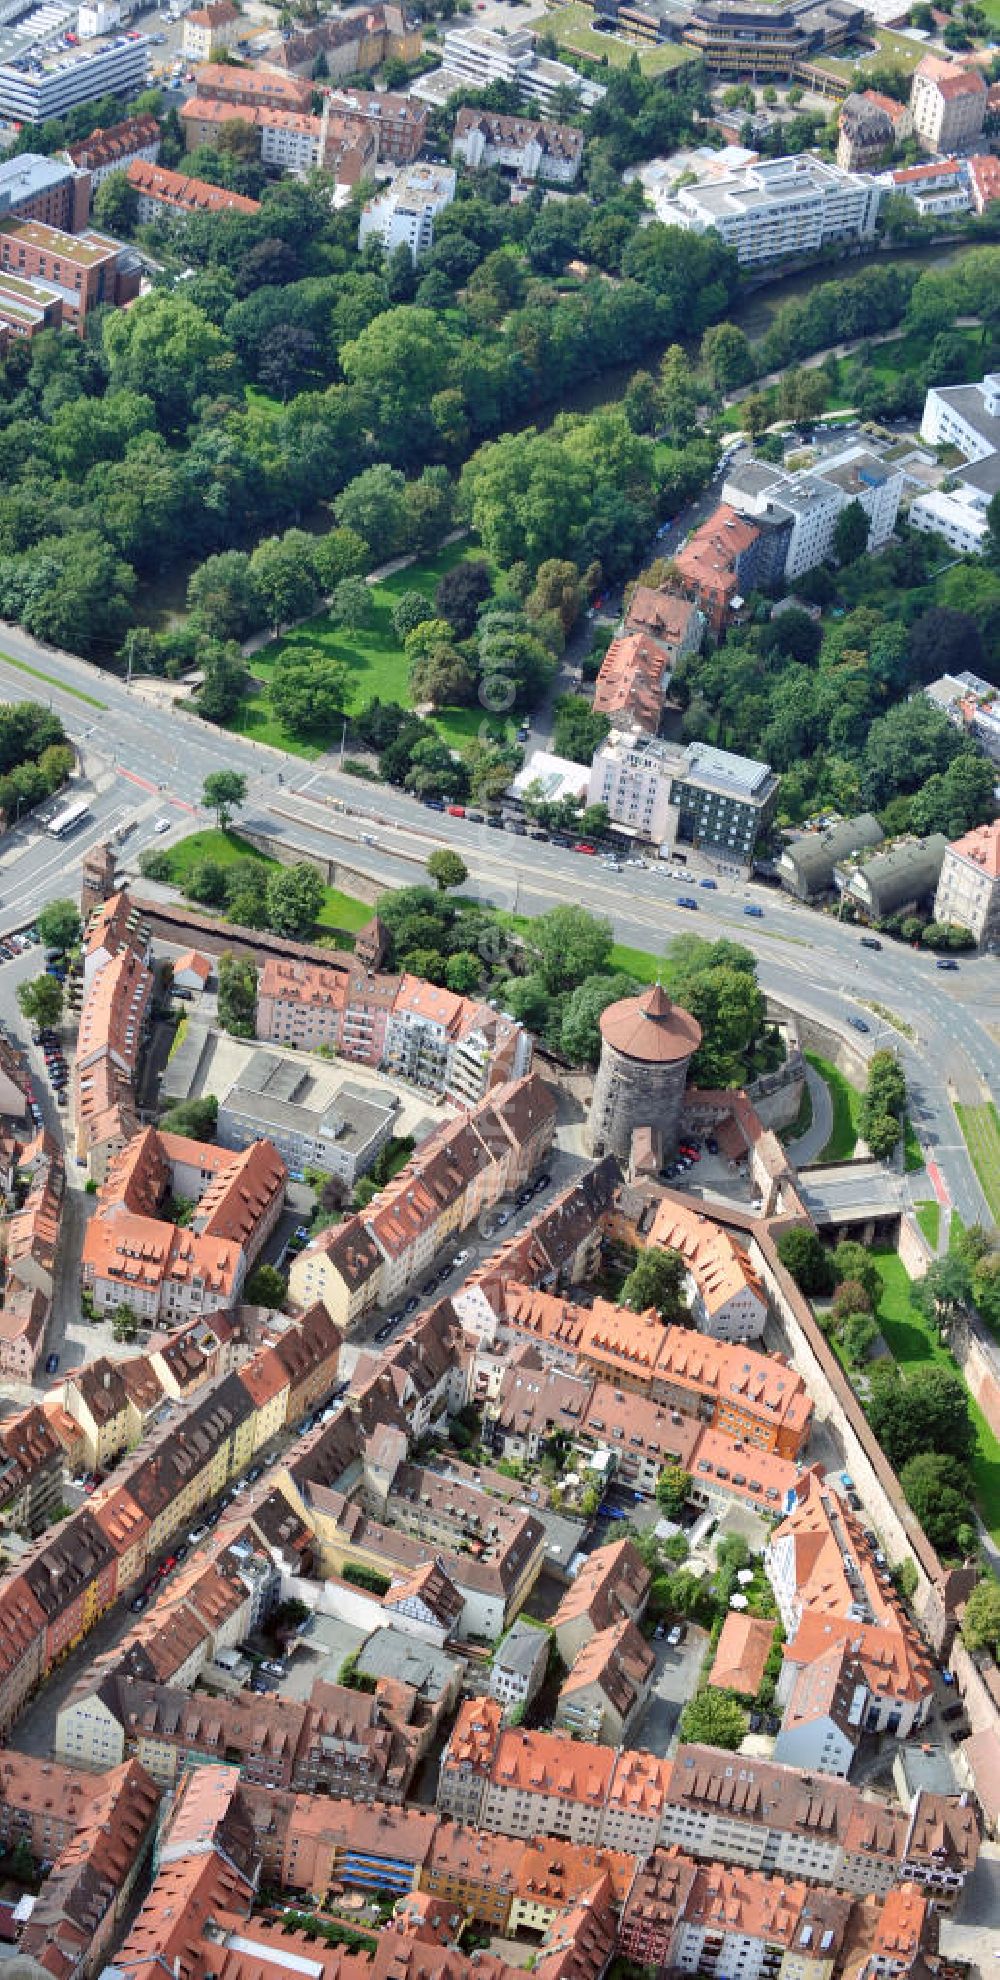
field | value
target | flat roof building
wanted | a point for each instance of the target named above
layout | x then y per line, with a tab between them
312	1120
43	83
779	207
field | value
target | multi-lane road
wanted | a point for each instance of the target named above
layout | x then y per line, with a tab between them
146	761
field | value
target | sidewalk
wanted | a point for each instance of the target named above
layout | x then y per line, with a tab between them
809	1146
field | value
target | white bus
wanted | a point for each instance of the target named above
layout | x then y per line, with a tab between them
67	821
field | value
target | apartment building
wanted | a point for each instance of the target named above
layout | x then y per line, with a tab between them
118	991
968	892
404	214
948	104
165	1270
291	140
688	1917
267	89
635	675
31	1472
160	193
854	1661
479	56
717	565
814	499
699	795
723	1290
51	81
88	1890
713	1805
397	123
55	191
867	132
32	1241
607	1686
135	139
216	26
353	43
485	140
633	683
755	1399
935	190
420	1032
519	1665
84	270
612	1587
780	207
460	1170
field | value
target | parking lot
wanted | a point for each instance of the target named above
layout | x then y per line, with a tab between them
676	1680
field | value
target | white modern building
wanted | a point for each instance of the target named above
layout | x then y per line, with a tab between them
779	207
404	215
46	84
478	56
959	515
814	498
966	417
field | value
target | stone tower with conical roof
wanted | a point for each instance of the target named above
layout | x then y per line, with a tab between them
647	1044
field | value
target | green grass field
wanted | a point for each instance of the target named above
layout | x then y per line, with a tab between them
339	912
374	658
929	1219
913	1343
897	49
981	1130
574	31
846	1104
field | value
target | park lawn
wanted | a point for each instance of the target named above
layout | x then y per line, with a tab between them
256	718
373	657
897	49
900	357
225	848
574	31
340	913
846	1106
929	1219
636	962
981	1131
912	1342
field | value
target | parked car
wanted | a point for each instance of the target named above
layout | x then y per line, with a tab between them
676	1635
51	1363
946	962
583	847
273	1669
870	942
